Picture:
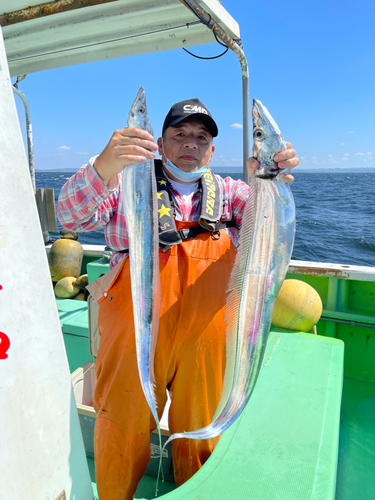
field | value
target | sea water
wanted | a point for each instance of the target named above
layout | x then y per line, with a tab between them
335	215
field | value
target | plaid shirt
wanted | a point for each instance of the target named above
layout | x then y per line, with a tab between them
86	204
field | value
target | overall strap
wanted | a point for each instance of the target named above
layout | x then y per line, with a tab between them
211	208
211	203
168	234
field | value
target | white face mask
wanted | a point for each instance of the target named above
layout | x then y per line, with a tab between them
181	175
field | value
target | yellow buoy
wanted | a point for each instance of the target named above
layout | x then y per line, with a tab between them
80	296
65	258
65	288
298	306
83	280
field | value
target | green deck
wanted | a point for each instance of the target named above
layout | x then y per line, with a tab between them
286	443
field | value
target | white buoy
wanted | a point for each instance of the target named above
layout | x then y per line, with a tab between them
42	454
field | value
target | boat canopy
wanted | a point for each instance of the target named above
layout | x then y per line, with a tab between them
40	36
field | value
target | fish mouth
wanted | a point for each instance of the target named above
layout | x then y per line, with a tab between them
267	172
266	176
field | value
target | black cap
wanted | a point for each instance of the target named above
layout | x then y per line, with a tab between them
192	108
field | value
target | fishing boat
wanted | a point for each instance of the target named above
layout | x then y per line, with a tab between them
308	431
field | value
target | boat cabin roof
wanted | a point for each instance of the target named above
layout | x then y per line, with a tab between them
40	36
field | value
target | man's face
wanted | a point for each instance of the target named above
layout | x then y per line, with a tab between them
188	145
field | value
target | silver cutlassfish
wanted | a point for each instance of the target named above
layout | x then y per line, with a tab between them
265	249
140	206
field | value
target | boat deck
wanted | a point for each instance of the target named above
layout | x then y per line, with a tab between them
280	445
355	478
356	465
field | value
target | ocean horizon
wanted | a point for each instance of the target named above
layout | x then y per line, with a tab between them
229	170
335	214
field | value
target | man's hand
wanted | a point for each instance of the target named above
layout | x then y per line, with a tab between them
126	147
284	159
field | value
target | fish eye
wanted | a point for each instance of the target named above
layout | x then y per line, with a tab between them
141	110
258	134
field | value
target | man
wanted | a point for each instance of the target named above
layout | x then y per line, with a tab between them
190	353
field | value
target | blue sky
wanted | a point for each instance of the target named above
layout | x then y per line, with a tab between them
311	64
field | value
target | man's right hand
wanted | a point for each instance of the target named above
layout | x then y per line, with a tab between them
126	147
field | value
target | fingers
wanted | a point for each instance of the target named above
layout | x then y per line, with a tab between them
292	163
252	164
134	137
126	146
287	178
285	155
286	158
139	149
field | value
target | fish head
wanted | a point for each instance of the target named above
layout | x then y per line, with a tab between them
268	141
138	116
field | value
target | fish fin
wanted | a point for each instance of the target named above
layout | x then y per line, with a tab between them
233	302
235	292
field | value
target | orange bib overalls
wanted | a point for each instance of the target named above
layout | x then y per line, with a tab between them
189	362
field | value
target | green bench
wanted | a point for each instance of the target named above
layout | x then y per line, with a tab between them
285	444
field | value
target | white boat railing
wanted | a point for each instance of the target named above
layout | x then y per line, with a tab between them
29	132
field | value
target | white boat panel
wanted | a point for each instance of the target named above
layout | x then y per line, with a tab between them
41	444
112	29
357	273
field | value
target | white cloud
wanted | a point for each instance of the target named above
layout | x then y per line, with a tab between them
81	153
368	154
345	159
236	125
222	161
346	154
330	156
352	132
342	144
63	148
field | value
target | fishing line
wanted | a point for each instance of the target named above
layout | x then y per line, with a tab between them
201	57
160	466
161	449
210	28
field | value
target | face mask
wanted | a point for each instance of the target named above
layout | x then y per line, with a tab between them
181	175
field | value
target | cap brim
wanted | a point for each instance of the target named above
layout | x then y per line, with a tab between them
207	120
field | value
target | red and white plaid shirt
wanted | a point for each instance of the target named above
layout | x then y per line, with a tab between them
86	204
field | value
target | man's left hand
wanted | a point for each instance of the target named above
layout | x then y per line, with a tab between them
284	159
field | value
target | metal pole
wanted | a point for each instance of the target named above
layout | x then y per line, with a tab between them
29	131
346	322
235	47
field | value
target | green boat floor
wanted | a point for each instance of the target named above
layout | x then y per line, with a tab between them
146	487
74	324
69	308
285	444
356	469
73	316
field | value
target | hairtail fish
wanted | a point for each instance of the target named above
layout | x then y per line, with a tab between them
140	206
265	248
